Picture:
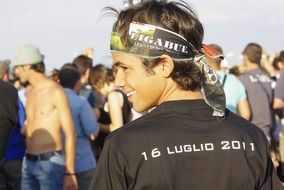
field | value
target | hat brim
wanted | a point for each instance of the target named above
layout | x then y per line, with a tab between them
212	53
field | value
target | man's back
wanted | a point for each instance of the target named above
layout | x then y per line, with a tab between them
279	88
234	90
180	145
8	113
258	87
85	124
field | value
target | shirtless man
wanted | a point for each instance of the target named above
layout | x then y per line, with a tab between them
47	114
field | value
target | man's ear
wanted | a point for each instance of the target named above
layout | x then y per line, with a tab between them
77	87
245	58
27	67
166	66
5	77
279	64
87	73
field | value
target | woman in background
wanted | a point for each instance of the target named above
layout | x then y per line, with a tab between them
117	105
116	111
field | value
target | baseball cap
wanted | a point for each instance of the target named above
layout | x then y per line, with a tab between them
4	66
213	51
28	54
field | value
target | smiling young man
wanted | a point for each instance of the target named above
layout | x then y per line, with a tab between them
189	141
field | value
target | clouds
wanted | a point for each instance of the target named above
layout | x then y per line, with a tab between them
54	16
224	11
233	24
63	28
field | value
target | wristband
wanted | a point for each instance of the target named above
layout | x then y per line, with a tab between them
69	173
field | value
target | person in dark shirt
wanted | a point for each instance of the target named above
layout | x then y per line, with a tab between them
8	108
8	120
8	113
116	111
259	89
117	106
189	141
15	149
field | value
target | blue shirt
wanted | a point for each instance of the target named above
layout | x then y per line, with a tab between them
16	145
85	123
234	90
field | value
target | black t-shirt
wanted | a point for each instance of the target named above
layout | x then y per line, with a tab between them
8	113
181	146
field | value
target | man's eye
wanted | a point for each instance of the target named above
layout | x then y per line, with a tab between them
123	68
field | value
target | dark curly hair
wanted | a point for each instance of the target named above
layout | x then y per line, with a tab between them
174	16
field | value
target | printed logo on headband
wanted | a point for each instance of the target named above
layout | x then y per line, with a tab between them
151	41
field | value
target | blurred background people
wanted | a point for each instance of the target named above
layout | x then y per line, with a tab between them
84	63
48	114
236	98
85	124
117	105
11	142
259	89
279	88
116	111
278	105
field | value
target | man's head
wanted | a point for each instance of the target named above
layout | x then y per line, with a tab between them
252	54
281	54
278	62
4	69
281	58
146	78
28	57
69	77
100	77
84	64
216	61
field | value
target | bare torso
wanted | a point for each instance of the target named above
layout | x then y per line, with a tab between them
43	121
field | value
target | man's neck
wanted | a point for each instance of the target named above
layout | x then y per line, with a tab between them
35	78
252	66
216	67
176	93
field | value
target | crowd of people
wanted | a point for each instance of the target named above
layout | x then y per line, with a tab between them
45	107
167	115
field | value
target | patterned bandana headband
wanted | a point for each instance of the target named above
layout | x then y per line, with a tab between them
151	42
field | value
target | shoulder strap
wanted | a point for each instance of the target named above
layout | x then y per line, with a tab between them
264	89
224	80
126	108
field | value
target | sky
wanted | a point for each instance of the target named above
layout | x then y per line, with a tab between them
63	28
